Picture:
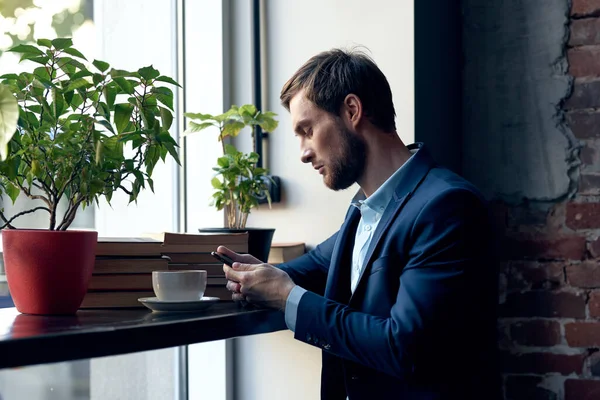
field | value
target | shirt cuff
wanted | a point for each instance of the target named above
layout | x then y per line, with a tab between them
291	307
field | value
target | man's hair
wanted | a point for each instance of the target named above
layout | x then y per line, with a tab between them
330	76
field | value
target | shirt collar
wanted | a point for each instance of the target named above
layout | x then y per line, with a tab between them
379	200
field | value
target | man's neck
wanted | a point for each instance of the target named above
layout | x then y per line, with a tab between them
385	154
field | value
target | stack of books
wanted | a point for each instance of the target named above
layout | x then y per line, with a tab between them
284	252
123	272
123	266
192	251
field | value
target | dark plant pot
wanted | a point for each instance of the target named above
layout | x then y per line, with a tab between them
48	272
259	239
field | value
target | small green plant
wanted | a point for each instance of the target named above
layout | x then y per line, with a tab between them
239	184
84	131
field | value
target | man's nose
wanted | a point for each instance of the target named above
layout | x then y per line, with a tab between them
306	155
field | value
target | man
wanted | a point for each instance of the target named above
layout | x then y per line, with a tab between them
402	298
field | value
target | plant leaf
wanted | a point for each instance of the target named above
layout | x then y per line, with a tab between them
173	151
201	117
148	73
44	42
75	101
62	43
77	83
81	74
107	125
121	73
216	183
64	61
74	52
35	58
26	49
195	127
12	191
9	116
247	111
163	78
101	65
125	85
230	149
232	128
164	95
110	93
122	116
58	103
166	117
267	122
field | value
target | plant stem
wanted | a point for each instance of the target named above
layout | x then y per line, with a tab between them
7	222
221	136
70	214
33	196
244	220
231	211
53	216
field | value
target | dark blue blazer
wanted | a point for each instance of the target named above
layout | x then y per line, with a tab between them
421	323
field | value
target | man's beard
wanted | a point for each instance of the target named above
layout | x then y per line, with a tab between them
349	163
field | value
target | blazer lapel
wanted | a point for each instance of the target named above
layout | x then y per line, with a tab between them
338	278
416	171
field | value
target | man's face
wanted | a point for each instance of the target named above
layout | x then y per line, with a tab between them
337	152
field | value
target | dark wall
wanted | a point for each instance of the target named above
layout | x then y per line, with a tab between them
438	60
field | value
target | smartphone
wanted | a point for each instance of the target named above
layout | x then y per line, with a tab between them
223	258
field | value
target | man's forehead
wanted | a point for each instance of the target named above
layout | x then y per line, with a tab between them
298	100
299	106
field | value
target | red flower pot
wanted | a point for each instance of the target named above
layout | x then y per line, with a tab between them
48	272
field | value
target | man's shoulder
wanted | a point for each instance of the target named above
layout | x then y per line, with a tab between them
441	181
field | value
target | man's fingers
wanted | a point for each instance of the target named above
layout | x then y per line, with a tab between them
233	286
243	258
230	253
238	272
233	274
238	297
244	267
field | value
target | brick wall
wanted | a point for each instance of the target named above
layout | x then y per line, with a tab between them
550	274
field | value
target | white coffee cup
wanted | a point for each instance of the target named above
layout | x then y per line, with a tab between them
179	285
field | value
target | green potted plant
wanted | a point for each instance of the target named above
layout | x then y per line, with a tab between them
85	131
239	184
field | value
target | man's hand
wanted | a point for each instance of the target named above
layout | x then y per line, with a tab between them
241	258
256	282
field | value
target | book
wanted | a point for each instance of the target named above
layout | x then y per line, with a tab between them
211	269
190	258
136	282
129	265
172	238
284	252
128	246
169	249
216	281
111	299
121	282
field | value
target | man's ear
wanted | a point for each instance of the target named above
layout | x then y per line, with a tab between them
352	110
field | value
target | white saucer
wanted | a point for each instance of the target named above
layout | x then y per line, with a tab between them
155	304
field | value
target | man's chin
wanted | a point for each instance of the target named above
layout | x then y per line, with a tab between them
334	185
328	183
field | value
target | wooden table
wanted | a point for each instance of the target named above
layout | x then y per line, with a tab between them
31	339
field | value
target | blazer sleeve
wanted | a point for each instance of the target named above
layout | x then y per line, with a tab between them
447	241
309	271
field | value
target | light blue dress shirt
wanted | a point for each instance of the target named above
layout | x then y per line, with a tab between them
371	210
